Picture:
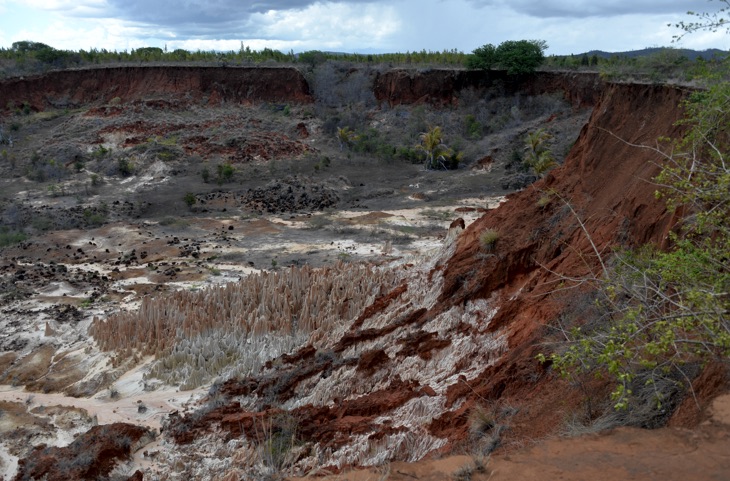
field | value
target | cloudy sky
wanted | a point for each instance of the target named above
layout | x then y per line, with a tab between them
568	26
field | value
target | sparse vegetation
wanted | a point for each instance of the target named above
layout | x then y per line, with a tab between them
9	237
488	240
190	199
225	173
125	167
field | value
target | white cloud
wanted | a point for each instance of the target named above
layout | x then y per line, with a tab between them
72	8
329	25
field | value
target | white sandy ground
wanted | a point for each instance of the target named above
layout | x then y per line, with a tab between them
123	407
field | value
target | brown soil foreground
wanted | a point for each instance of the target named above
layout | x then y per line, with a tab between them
630	454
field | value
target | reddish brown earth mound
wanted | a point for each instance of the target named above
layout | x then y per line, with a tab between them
211	85
668	454
92	456
607	182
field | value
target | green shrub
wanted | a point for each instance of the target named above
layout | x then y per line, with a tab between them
539	157
125	167
190	199
9	237
488	239
473	128
95	217
42	223
100	152
225	173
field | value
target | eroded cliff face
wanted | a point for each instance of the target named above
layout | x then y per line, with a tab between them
215	85
209	85
460	331
607	181
464	326
444	87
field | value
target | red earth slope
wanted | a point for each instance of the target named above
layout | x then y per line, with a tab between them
464	328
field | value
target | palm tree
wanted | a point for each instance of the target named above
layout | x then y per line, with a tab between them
539	157
346	137
436	151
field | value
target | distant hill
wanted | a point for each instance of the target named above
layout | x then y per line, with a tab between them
690	54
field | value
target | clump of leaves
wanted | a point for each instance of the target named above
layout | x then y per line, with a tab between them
225	173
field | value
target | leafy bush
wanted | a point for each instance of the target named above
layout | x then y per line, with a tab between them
9	237
41	171
190	199
225	173
125	167
539	158
473	128
94	217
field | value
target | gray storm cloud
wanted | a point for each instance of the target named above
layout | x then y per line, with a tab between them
168	12
605	8
211	18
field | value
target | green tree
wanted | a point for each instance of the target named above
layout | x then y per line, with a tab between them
25	46
482	58
521	56
346	137
190	199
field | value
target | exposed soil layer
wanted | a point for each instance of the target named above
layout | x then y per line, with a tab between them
91	456
669	454
210	85
404	378
443	87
